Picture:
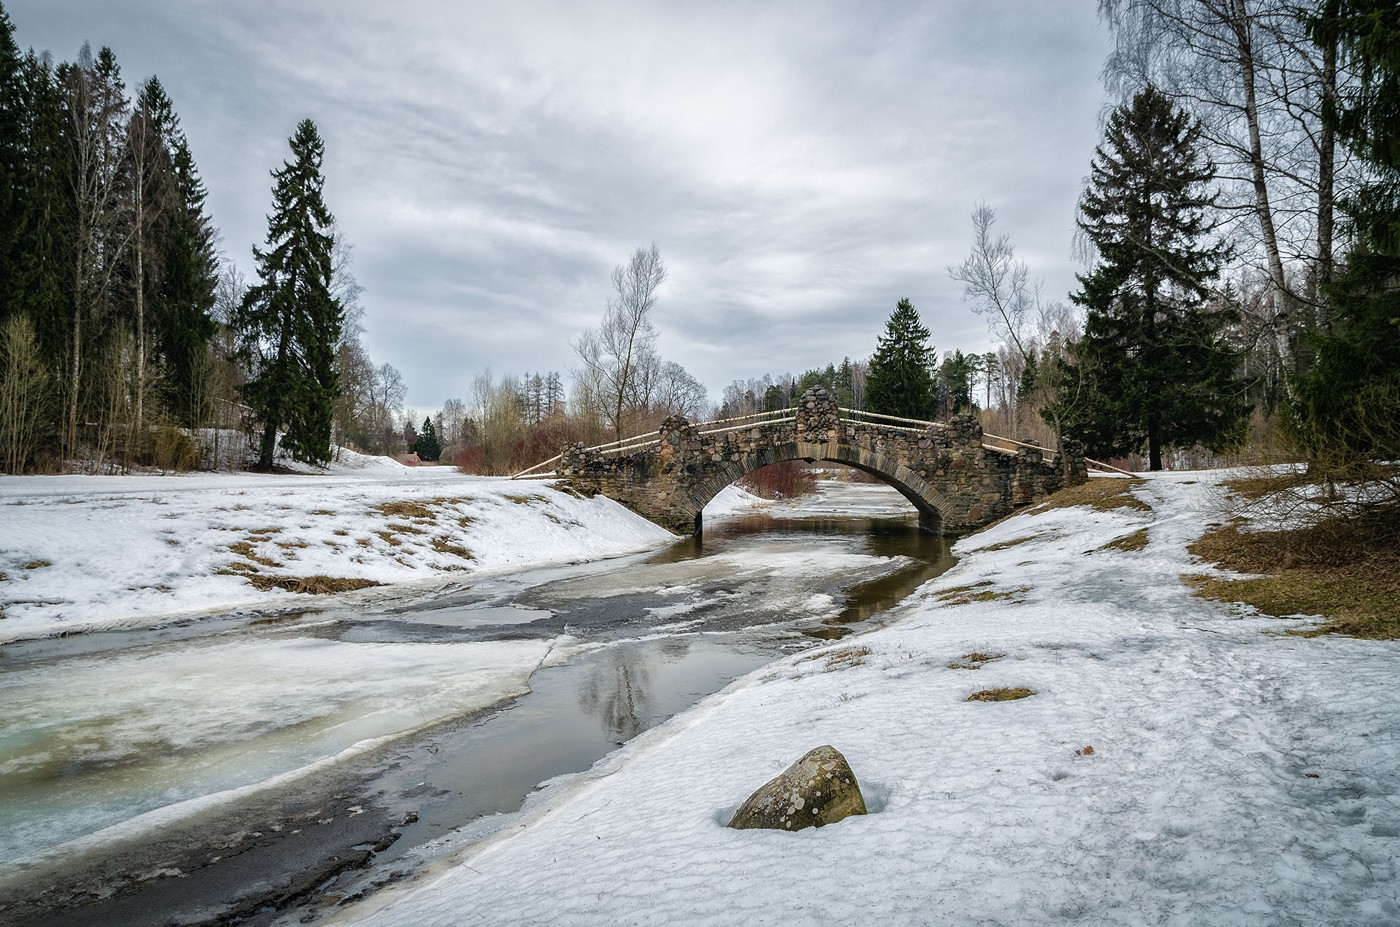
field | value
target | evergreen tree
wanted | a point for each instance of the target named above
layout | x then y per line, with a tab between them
1346	416
38	270
954	384
900	381
1152	368
427	447
289	324
12	158
183	302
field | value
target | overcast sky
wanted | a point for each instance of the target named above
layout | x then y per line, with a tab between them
802	166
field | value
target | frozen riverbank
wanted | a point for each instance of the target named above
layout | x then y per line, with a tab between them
1237	775
84	553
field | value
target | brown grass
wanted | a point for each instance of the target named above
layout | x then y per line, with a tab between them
310	585
1347	571
1000	695
1128	542
245	550
1007	545
974	660
1101	495
978	592
36	565
843	658
444	546
403	510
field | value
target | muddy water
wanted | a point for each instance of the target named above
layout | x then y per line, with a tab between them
642	637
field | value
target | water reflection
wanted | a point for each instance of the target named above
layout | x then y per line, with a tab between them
617	692
928	555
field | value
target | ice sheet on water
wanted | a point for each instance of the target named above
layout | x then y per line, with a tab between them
91	742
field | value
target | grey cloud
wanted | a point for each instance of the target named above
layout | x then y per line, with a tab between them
801	165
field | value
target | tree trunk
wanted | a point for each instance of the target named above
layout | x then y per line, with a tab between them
1263	209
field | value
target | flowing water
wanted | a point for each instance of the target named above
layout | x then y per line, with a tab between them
117	734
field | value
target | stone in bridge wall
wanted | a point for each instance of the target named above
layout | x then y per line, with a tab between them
944	470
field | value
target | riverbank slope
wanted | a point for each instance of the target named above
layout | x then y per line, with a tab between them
1177	761
89	553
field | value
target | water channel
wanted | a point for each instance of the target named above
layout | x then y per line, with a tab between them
297	723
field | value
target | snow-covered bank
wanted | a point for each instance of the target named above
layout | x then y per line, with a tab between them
81	553
1237	775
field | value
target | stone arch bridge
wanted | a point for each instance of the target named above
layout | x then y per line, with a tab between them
957	477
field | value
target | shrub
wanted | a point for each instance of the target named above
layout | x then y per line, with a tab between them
783	480
174	450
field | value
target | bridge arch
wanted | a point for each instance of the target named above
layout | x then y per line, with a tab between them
925	498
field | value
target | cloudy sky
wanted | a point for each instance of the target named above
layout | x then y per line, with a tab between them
801	165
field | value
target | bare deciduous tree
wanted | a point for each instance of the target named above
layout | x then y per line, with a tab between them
618	359
997	285
24	394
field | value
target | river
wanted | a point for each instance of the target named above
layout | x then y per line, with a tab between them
237	771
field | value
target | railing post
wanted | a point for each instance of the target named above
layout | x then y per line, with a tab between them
818	420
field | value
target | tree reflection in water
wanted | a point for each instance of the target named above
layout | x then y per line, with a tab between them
619	690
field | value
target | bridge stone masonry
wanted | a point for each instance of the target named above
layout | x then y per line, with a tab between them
958	478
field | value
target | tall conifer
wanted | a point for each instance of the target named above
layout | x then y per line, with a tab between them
900	379
1152	369
289	324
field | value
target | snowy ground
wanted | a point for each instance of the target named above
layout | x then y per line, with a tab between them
1237	775
88	749
82	553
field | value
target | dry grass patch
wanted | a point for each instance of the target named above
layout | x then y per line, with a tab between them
403	510
1007	545
844	658
1128	542
310	585
293	545
245	550
36	565
1101	495
521	500
445	546
389	537
979	592
322	512
974	660
1000	695
1347	571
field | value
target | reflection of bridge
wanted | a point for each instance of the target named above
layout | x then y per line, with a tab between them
956	476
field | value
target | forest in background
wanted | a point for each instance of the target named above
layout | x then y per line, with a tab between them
125	340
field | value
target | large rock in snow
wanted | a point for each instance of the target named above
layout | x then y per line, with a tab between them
818	789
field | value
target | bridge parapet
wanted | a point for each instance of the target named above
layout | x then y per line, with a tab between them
950	473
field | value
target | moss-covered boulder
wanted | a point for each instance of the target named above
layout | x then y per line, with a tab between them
818	789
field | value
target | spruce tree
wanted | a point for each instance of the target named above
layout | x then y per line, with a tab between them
289	324
184	295
12	158
427	447
1346	413
900	379
1152	368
